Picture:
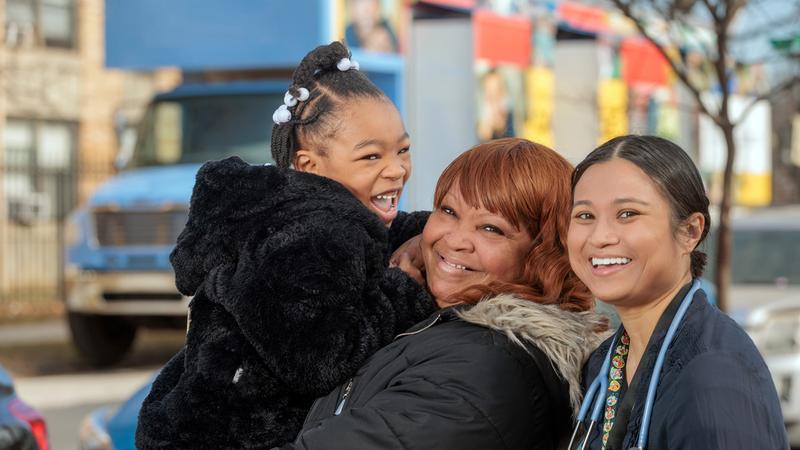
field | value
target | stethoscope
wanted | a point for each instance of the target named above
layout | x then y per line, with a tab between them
596	394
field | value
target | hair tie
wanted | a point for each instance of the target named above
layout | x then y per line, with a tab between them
282	114
290	100
346	64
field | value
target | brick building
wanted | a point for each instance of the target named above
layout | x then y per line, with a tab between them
58	138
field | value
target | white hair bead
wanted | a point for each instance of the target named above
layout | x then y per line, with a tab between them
289	99
344	64
281	115
304	94
355	64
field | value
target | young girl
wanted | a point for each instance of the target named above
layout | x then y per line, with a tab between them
288	269
639	212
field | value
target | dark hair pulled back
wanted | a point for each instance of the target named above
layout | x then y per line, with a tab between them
670	168
313	120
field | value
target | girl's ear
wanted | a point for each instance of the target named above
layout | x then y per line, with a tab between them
307	161
693	228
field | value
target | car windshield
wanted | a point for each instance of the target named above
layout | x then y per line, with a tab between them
199	129
761	256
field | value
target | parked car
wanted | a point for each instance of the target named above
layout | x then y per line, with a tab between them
21	426
766	288
775	328
113	428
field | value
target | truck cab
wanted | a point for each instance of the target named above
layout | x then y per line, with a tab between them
118	273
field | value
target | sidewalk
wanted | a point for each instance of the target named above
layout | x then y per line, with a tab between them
70	390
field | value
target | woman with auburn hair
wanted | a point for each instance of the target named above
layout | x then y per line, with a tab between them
498	365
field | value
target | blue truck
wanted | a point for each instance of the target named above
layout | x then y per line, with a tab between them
118	272
118	275
236	59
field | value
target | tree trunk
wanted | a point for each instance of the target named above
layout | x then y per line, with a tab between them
722	276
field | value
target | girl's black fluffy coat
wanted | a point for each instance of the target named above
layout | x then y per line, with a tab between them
291	295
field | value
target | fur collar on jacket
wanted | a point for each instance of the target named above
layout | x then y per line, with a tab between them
566	338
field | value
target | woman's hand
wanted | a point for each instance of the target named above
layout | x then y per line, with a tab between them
408	257
406	265
412	249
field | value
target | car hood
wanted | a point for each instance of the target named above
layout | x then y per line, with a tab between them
747	299
121	425
147	187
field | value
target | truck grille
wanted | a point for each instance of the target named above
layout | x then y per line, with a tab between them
119	228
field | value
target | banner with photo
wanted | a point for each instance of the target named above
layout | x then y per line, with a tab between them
516	85
371	25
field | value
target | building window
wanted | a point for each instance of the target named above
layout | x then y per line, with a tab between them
39	169
49	23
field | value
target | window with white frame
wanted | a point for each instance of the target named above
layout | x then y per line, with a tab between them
49	23
38	169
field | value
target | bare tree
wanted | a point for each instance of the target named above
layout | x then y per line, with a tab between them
718	16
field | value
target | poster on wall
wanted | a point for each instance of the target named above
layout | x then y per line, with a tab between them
499	101
502	52
371	25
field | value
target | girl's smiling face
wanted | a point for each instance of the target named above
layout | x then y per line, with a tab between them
367	152
623	243
464	246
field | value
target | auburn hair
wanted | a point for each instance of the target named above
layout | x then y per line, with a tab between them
529	185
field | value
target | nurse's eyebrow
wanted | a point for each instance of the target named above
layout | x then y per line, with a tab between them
631	200
617	202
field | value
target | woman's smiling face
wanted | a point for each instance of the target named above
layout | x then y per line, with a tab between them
464	246
622	242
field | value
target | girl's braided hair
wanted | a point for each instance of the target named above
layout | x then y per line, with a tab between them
313	121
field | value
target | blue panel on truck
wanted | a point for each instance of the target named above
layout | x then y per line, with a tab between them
147	188
213	34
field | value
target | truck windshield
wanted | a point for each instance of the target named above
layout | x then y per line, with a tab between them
199	129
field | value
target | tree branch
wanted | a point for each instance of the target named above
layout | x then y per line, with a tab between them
786	84
712	9
679	71
720	63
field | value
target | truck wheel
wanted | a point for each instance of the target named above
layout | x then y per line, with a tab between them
101	340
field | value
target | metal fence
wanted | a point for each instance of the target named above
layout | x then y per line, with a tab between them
35	201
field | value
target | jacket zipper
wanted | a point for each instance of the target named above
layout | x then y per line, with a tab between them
349	387
411	333
346	394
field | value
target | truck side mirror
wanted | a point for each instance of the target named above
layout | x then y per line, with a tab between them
126	140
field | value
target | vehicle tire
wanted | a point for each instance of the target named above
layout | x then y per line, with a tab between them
101	340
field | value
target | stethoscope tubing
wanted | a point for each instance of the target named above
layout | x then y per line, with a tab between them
595	395
599	384
662	356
